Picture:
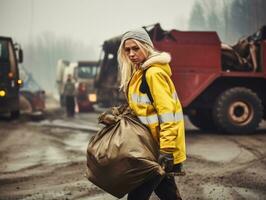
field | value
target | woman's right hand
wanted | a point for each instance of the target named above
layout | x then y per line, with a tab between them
166	160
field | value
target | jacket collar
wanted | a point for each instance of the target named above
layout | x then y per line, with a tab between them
158	58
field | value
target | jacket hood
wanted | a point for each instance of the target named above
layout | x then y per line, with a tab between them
161	60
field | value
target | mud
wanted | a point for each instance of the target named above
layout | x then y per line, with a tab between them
49	162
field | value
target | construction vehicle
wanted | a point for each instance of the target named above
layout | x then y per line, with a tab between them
10	55
19	92
83	74
219	88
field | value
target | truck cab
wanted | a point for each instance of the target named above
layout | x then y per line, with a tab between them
9	76
83	73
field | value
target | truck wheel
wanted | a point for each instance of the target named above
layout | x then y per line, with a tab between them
202	119
238	110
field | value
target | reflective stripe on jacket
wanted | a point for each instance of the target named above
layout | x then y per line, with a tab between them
164	117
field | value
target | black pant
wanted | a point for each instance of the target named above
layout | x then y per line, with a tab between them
165	189
70	106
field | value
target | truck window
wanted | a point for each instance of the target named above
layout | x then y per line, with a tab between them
3	52
12	59
4	61
87	72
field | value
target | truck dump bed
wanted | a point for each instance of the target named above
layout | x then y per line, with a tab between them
196	59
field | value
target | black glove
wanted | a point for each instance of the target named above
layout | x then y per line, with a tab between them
166	160
178	170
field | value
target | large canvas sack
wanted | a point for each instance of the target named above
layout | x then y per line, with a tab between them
122	156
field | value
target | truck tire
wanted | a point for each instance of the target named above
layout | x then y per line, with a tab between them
238	110
202	119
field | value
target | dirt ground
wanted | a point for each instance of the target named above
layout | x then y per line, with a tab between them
43	160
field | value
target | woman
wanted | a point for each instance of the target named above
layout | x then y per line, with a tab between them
145	77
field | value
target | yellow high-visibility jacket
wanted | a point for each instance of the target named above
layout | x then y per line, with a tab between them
164	117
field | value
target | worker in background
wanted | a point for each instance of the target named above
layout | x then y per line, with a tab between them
145	77
69	93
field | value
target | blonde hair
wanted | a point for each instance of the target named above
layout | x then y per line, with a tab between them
126	67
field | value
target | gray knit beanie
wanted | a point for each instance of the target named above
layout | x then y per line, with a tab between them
138	34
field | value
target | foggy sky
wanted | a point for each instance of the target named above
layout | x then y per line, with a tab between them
88	21
41	26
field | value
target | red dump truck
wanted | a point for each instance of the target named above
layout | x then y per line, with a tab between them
219	88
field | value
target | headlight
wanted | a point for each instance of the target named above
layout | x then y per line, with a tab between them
92	97
20	82
2	93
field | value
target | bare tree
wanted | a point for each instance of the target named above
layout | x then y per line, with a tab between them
197	19
232	19
247	16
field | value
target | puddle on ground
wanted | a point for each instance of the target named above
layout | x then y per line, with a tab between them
54	155
77	141
35	156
